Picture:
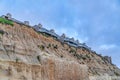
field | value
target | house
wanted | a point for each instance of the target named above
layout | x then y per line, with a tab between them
61	38
83	45
70	41
26	22
108	59
39	28
51	32
9	17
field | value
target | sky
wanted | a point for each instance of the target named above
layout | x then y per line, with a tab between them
95	22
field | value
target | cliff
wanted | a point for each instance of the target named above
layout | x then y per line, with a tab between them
29	55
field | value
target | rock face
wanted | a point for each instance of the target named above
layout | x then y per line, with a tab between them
22	59
28	55
48	70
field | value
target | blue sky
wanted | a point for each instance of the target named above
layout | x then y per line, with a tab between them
95	22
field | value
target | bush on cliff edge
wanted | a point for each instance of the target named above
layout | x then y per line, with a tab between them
5	21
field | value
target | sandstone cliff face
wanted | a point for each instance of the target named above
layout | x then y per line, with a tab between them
28	55
22	59
47	70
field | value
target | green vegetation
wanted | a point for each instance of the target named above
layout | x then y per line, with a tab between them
5	21
2	32
55	46
49	45
46	35
16	60
84	58
72	51
117	74
39	58
77	56
88	56
42	47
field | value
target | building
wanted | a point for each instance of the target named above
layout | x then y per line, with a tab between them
51	32
26	22
39	28
9	17
108	59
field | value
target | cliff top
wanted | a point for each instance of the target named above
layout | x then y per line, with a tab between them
23	43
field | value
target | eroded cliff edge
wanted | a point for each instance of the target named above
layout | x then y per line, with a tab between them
28	55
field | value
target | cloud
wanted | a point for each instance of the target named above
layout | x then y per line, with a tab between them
107	46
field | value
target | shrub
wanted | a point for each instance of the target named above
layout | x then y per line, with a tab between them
87	56
55	47
83	57
16	60
41	47
117	74
49	45
66	49
5	21
46	35
2	32
72	51
77	56
38	58
61	56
